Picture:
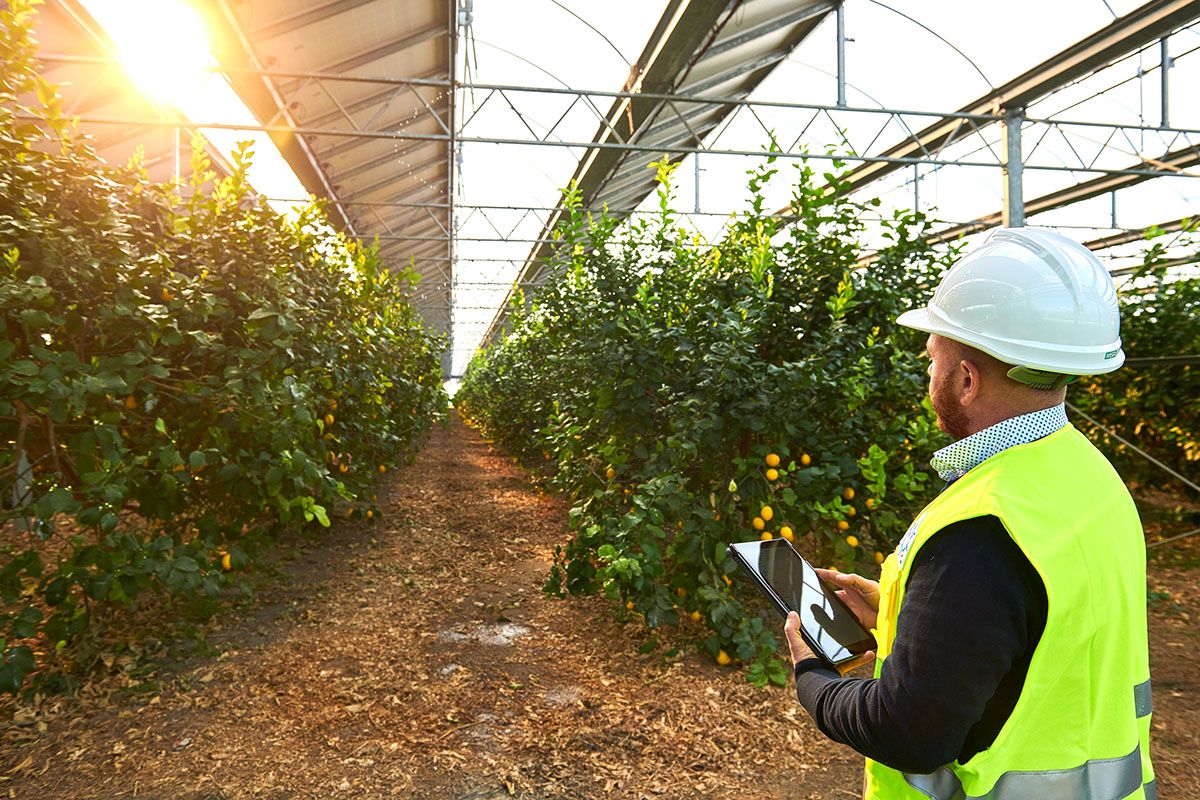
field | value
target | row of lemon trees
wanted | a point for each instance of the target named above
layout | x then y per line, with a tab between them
686	394
1155	403
183	375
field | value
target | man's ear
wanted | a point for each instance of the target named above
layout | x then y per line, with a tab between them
970	381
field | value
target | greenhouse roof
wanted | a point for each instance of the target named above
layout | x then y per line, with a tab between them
447	130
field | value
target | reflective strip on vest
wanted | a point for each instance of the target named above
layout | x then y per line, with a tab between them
1101	779
1142	700
1151	790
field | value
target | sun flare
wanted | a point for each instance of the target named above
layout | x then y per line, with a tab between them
162	45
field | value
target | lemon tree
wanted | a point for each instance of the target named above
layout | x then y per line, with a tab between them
183	375
1155	405
686	394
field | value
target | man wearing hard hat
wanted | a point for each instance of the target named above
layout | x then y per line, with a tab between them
1010	621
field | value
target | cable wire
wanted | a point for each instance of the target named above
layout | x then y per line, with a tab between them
941	38
597	32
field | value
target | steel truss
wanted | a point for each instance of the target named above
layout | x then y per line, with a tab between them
1087	141
982	140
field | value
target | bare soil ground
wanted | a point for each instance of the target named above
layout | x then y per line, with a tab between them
417	657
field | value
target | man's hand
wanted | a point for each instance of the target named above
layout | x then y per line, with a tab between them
800	650
796	644
860	594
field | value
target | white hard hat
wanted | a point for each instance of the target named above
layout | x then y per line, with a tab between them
1030	297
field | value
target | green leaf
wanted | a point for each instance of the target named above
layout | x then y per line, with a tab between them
186	564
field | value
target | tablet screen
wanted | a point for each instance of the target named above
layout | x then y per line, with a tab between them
824	617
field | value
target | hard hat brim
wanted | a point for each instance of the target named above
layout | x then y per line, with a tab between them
917	319
922	320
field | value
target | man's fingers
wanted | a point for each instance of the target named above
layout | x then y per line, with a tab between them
792	624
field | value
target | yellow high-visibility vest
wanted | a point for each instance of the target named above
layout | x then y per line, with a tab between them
1080	729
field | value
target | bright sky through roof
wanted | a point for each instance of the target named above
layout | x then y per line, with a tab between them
163	46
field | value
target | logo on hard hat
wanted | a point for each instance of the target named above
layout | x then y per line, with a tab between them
1111	354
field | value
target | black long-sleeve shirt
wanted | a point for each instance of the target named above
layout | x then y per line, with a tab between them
974	610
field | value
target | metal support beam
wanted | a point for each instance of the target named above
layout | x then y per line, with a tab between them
303	19
1126	237
1014	163
1150	170
1164	81
411	39
841	54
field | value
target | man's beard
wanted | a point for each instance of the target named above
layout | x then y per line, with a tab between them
952	418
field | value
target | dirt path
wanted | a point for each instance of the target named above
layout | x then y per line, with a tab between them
419	658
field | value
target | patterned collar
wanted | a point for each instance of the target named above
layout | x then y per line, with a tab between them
958	459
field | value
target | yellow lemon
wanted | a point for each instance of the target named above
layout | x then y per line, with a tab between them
852	540
723	658
772	460
629	605
695	615
370	514
610	473
343	468
772	474
131	402
805	460
850	512
786	533
843	525
870	503
758	523
682	592
878	557
166	295
329	419
848	494
382	468
766	536
766	513
226	562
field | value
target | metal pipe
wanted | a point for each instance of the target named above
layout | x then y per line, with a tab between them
1163	80
916	188
1014	198
841	55
656	150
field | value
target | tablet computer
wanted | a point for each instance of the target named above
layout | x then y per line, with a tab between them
791	584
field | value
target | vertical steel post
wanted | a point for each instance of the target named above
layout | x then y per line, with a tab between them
1164	82
841	55
916	188
696	160
1013	215
1113	208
